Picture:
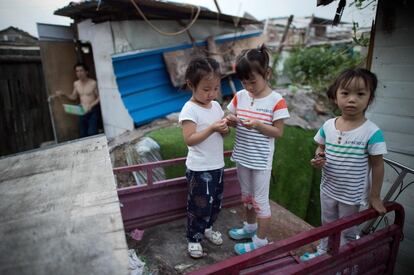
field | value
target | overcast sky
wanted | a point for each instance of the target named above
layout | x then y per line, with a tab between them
24	14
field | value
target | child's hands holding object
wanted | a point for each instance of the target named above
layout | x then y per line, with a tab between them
232	120
221	126
250	123
319	160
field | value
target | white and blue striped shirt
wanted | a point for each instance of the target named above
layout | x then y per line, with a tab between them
346	175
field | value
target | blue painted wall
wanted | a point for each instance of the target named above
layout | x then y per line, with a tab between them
144	83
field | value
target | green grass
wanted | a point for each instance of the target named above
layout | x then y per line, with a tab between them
294	183
172	146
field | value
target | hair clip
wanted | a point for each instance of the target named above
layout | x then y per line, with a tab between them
260	48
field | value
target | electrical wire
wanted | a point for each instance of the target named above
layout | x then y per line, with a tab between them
167	33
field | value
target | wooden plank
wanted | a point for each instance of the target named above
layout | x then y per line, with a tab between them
24	113
394	106
225	53
399	37
395	89
58	59
60	212
392	123
394	55
399	142
396	72
5	110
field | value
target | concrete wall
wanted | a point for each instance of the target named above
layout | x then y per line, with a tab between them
109	38
392	110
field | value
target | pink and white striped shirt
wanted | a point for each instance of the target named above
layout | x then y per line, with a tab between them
252	149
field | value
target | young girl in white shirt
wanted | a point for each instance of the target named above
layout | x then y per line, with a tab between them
203	128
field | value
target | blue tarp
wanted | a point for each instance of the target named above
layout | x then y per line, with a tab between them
145	86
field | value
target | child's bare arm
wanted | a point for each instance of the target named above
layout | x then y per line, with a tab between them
319	160
221	126
192	137
377	166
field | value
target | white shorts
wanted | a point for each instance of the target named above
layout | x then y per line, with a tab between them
254	186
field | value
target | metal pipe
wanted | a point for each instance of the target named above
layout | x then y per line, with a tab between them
52	118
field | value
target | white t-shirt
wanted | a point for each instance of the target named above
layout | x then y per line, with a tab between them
252	149
346	174
207	155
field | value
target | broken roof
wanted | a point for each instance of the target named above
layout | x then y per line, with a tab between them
323	2
16	36
116	10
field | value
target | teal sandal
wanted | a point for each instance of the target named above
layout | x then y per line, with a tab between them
240	234
309	256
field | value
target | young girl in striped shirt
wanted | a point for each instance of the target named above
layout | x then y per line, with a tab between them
350	149
257	112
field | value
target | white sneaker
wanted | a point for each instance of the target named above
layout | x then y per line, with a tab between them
195	250
213	236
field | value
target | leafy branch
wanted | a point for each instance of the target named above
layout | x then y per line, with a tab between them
362	40
360	3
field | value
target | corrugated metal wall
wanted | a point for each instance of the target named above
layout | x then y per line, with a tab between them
144	83
392	110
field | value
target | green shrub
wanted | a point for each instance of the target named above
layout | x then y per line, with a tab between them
318	66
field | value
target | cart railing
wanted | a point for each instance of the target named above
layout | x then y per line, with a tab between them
372	254
158	202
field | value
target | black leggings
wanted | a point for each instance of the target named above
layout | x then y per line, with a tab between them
205	192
